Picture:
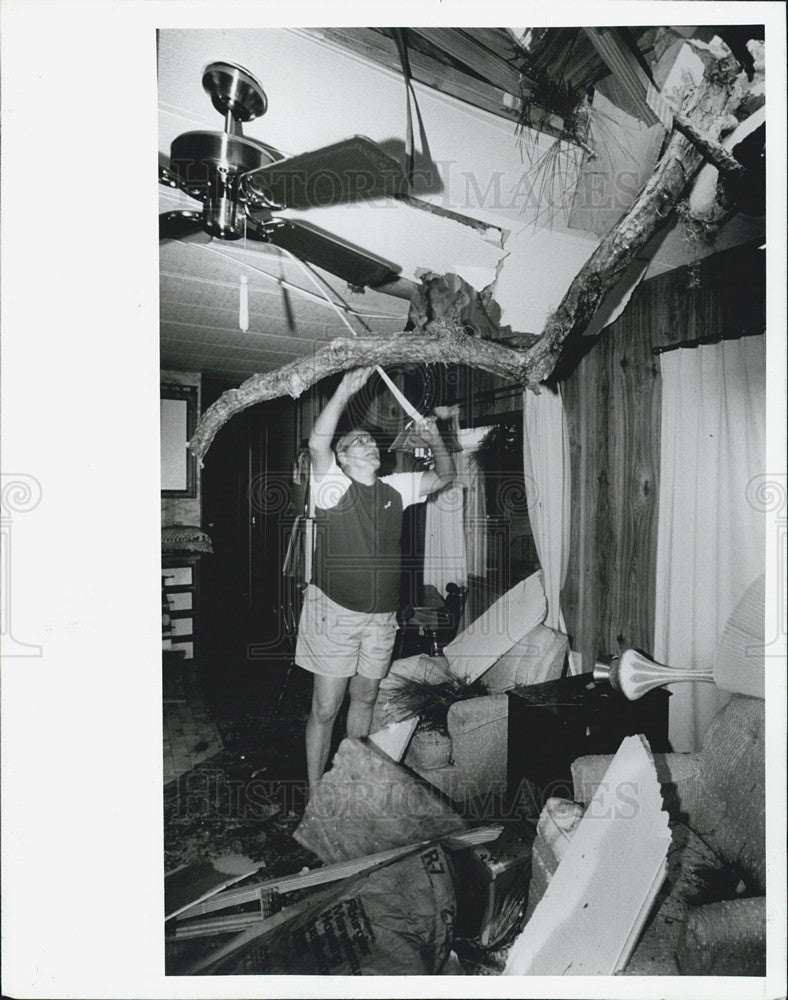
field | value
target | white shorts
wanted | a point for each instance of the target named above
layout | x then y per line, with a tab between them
337	642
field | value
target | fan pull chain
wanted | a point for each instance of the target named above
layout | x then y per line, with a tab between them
243	305
296	288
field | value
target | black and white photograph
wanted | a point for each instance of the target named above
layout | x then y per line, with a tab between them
397	497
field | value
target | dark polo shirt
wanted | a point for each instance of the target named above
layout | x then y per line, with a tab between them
358	538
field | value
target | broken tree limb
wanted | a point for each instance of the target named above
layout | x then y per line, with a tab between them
445	343
707	109
713	152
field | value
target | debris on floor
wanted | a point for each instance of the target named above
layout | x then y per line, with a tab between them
193	883
367	803
395	920
596	903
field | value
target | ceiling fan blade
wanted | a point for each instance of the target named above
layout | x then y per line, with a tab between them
182	225
332	254
352	170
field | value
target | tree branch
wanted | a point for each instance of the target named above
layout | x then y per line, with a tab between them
707	109
719	157
444	343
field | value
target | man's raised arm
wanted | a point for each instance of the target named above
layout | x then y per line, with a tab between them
444	472
326	424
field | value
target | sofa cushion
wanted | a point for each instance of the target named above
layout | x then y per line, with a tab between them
537	657
502	625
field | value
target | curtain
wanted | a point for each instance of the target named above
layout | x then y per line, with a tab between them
444	539
455	537
547	488
710	540
470	475
455	542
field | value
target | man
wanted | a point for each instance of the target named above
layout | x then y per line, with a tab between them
348	621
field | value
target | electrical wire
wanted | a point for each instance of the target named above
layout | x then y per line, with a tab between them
308	272
322	297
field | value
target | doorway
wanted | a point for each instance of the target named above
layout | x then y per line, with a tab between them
248	509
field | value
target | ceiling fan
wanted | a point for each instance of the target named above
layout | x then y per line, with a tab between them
242	183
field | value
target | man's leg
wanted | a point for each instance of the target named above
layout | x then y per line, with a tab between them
327	696
363	692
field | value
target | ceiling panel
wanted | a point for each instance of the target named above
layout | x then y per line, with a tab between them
318	94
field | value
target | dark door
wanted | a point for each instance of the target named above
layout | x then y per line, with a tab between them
247	503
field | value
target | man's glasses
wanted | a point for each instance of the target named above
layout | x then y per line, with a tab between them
359	439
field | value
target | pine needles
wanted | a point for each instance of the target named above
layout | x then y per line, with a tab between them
432	701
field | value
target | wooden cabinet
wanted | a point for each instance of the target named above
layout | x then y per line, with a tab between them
180	575
554	723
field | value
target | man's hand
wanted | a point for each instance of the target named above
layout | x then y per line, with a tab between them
444	472
427	430
354	379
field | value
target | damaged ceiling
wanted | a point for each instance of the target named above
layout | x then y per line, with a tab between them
515	205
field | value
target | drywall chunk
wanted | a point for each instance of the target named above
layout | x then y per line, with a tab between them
502	625
368	803
589	918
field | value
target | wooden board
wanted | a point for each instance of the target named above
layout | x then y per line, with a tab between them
332	873
613	403
192	883
477	57
625	66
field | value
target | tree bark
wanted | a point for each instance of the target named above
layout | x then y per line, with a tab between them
444	343
707	110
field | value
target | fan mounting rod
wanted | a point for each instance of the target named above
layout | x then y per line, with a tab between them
209	164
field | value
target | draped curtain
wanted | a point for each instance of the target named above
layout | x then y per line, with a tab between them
710	541
547	487
471	476
444	540
455	542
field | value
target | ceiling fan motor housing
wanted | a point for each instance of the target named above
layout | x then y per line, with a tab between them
208	165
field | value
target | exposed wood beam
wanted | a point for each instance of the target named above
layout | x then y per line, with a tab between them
476	57
625	67
499	41
382	50
446	213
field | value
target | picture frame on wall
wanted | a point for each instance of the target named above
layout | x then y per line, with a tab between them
178	410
